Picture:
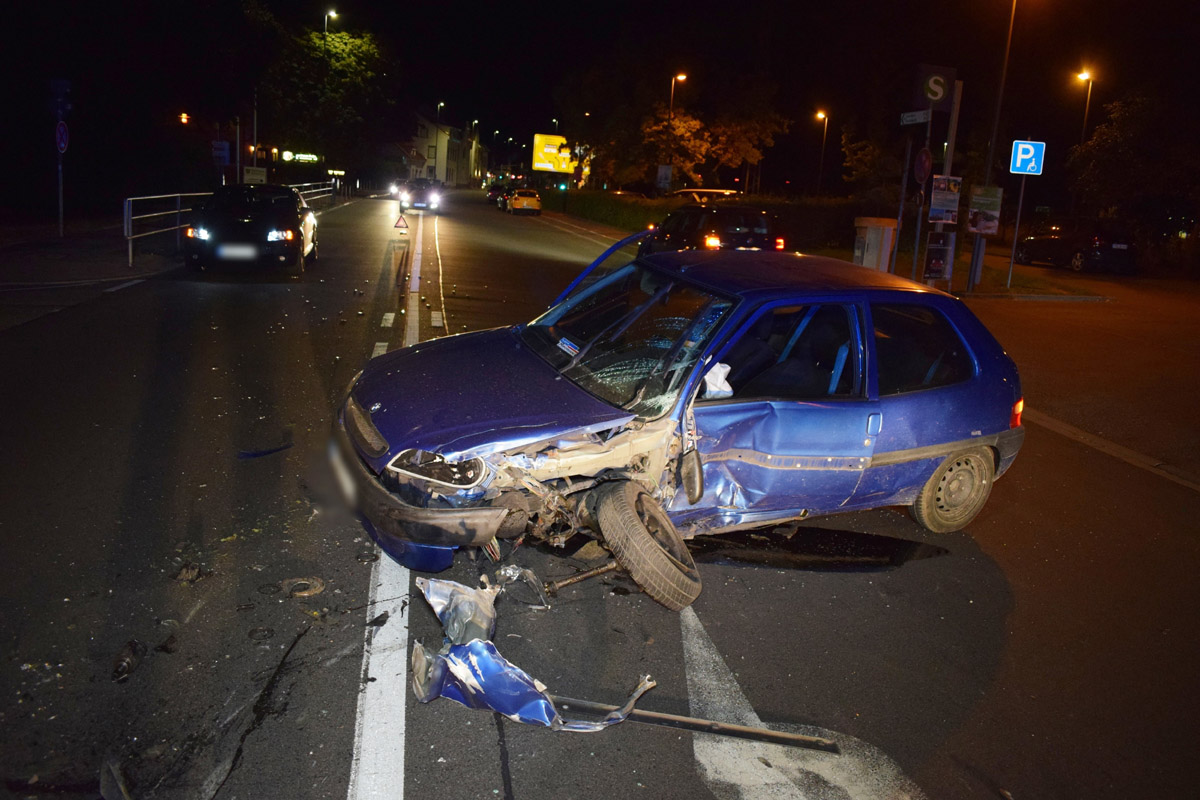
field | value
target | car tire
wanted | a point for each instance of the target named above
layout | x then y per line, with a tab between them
1022	257
956	492
1078	261
645	542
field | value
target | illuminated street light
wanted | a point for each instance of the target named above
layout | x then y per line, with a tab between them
439	112
1085	76
671	119
821	115
555	121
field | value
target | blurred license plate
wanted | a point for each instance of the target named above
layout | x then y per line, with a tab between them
237	252
341	474
1120	247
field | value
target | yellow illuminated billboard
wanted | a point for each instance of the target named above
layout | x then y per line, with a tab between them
551	154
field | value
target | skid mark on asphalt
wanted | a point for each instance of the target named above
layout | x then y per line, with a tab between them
738	768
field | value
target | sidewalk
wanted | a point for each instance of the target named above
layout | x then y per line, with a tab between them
35	256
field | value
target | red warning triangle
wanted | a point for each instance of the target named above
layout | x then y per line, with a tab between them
402	222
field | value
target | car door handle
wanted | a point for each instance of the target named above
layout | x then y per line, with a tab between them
874	424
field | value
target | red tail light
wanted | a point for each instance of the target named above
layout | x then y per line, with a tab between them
779	243
1014	421
712	242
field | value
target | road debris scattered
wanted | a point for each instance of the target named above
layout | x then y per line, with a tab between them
302	587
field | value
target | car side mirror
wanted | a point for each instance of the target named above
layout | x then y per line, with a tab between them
691	475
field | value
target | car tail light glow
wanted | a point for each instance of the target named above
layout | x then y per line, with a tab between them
779	243
1014	421
712	242
281	236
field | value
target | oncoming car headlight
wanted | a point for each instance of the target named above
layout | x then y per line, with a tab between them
436	469
404	196
280	236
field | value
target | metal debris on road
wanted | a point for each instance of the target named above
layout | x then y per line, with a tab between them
127	660
367	556
512	573
464	612
260	634
302	587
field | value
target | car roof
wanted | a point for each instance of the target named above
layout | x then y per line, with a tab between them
750	273
723	208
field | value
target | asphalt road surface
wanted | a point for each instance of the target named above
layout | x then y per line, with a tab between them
164	520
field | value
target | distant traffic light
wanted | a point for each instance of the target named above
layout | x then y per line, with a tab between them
184	118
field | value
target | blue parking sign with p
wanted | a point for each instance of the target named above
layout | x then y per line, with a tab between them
1027	158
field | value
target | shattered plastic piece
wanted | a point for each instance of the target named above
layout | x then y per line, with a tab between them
379	621
127	660
464	612
716	384
477	676
112	782
511	573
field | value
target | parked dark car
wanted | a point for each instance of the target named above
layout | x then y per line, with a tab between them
505	195
421	194
1102	246
494	191
716	227
253	224
679	394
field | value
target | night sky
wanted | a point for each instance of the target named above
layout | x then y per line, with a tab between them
512	65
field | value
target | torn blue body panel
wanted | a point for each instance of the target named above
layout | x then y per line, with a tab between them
477	676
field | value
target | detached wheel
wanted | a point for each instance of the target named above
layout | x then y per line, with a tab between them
1078	261
956	491
646	544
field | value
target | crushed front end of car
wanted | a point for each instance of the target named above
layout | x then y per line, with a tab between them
525	431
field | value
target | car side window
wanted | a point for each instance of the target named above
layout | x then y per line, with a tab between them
671	224
796	353
917	348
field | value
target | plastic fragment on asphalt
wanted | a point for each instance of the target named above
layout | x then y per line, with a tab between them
512	573
464	612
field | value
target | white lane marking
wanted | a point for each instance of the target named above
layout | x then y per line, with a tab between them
380	349
739	768
124	285
1132	457
437	244
388	319
378	768
436	320
412	328
566	228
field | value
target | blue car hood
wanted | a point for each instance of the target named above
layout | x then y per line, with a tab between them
475	393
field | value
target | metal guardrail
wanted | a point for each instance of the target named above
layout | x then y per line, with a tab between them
152	208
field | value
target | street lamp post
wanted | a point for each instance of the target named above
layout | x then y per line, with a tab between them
979	246
1085	76
555	121
671	120
821	115
325	34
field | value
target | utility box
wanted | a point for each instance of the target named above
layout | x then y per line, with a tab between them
873	241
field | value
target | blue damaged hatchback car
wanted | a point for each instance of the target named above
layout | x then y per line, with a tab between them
678	394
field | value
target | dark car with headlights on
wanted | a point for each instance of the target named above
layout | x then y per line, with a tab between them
420	194
678	394
716	227
254	224
1079	245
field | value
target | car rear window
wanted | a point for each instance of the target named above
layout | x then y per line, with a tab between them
917	348
738	222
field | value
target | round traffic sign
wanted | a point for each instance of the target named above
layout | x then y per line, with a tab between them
60	136
923	166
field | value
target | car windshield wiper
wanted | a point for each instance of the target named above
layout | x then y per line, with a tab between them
617	327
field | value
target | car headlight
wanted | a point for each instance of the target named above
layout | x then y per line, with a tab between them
197	233
435	468
404	196
280	236
434	197
393	189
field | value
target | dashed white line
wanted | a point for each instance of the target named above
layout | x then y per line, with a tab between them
380	349
124	285
388	319
378	767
